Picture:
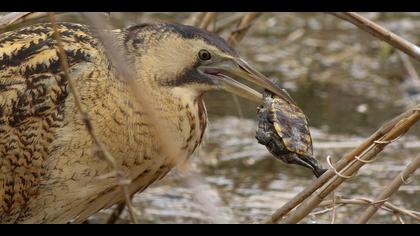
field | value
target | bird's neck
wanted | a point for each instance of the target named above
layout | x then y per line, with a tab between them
190	116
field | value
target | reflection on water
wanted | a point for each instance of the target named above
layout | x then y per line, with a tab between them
346	82
328	107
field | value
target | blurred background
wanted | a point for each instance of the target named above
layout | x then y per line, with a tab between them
348	84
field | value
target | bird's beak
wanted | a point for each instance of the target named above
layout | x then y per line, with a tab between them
226	74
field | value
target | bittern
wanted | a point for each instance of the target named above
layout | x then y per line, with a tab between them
49	171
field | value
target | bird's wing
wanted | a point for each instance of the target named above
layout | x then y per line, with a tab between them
33	94
30	112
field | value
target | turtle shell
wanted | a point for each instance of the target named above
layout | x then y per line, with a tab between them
290	123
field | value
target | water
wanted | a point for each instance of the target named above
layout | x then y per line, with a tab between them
346	82
252	184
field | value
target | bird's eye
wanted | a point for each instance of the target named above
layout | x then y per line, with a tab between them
204	55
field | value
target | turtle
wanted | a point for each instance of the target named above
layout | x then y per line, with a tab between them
283	128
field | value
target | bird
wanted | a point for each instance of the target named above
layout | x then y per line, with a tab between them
49	172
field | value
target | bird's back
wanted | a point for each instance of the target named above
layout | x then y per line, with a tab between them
33	100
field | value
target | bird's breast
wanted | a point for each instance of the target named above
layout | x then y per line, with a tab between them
196	124
192	123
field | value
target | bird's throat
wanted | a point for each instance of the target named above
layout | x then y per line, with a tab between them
191	118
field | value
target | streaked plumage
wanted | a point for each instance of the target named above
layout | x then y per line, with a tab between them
49	172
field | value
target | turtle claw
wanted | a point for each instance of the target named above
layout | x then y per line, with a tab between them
314	165
319	171
305	161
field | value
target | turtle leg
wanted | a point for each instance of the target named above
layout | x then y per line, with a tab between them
272	142
263	137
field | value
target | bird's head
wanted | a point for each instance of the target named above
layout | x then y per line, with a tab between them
186	62
189	60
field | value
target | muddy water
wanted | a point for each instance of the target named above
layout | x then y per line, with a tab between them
347	83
